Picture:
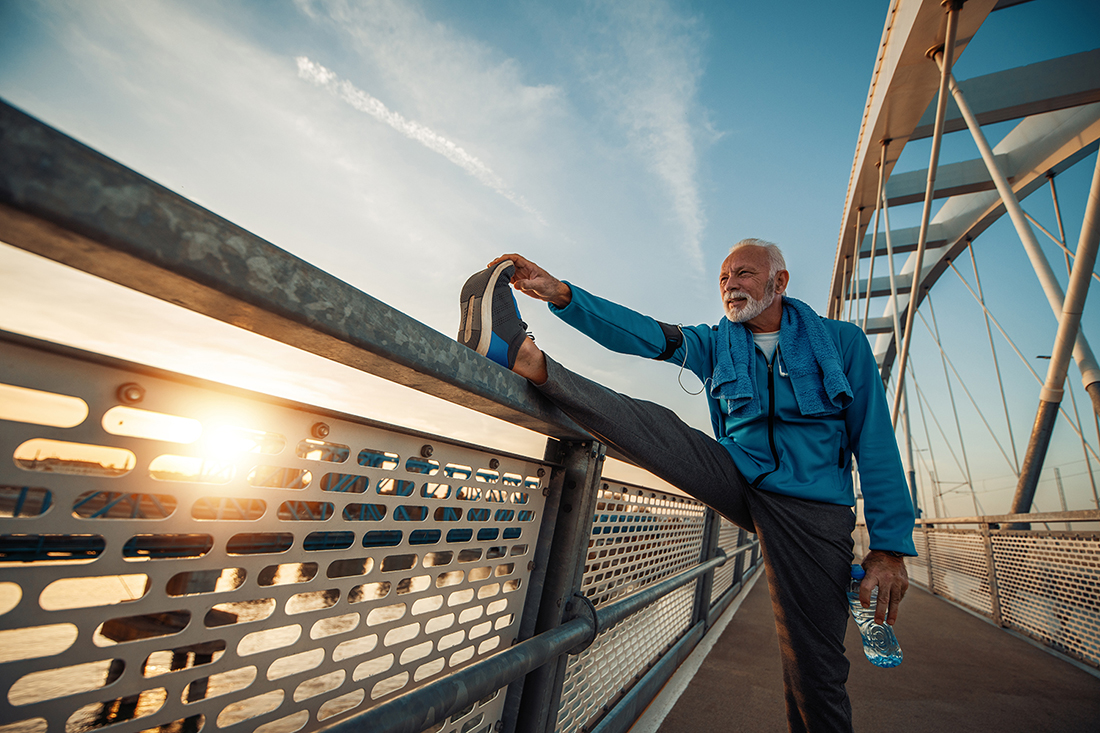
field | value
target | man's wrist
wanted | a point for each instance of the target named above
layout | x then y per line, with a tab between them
564	296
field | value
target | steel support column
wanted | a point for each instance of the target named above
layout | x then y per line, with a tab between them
948	56
1068	333
874	234
1082	353
903	403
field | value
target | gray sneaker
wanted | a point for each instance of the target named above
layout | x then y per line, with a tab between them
490	323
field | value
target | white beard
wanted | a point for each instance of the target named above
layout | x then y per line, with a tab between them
753	307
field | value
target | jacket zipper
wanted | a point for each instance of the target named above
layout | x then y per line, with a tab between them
771	425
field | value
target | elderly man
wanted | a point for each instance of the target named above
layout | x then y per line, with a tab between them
793	398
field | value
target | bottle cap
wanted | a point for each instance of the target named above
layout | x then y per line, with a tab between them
858	572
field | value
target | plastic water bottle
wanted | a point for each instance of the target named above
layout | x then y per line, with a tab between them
879	643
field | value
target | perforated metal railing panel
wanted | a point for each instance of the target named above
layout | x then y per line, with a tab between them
1049	587
178	556
959	567
918	566
1048	582
729	535
638	538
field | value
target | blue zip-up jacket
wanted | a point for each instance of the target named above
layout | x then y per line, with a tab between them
781	450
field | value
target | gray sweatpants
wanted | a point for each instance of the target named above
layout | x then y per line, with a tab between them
807	545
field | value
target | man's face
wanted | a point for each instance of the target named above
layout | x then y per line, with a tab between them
746	289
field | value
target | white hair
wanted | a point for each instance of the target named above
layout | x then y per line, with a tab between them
775	255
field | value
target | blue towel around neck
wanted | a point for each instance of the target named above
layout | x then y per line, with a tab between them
809	357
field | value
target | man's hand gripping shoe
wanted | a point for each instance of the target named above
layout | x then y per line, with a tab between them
490	323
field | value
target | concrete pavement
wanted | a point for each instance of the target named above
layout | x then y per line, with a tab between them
960	674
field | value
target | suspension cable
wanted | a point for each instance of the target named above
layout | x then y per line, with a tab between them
1023	360
937	496
947	442
954	407
973	402
1054	239
928	442
996	361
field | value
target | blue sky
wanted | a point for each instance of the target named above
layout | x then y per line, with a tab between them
402	145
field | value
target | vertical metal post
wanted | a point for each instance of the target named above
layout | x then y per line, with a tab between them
928	532
537	710
874	234
994	594
1061	491
911	469
845	284
544	549
704	586
948	55
1068	326
739	567
855	270
893	280
901	386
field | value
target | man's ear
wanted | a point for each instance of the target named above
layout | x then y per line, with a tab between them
781	279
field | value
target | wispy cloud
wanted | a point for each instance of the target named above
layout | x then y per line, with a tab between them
364	102
646	73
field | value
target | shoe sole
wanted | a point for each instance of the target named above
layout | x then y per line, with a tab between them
478	307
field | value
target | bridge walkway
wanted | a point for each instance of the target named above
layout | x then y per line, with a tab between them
960	673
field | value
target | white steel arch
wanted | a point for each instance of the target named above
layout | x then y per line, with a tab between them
1056	107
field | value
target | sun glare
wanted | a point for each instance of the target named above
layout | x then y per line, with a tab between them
229	440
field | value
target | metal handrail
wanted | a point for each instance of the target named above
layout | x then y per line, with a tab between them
424	706
1080	515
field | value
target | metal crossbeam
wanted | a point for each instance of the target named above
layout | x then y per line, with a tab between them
952	179
1012	94
904	240
880	286
879	324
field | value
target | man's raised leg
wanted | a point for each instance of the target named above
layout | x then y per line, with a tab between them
650	436
647	434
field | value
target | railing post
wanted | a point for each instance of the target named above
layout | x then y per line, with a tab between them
994	596
739	567
581	465
712	527
537	582
928	559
